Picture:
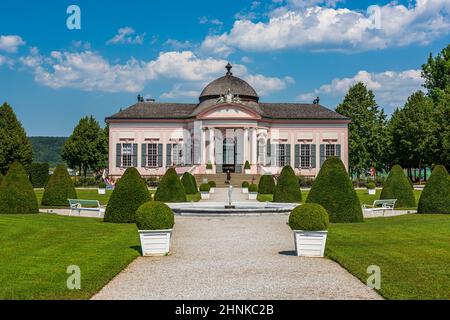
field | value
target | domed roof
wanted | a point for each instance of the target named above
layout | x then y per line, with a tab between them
220	87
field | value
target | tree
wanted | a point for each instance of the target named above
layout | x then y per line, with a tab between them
14	144
16	192
441	131
436	73
435	197
397	186
129	194
87	147
59	188
367	134
333	190
287	189
411	132
39	174
170	188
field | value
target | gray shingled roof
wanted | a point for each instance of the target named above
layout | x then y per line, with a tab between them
298	111
220	87
156	110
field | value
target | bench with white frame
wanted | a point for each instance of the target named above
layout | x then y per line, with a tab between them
380	205
85	205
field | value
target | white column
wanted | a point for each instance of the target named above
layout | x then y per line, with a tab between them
203	146
246	146
254	147
211	145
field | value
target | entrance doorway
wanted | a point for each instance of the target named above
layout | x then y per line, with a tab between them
229	154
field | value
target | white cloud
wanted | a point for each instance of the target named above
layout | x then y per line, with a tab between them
10	43
391	88
328	28
206	20
127	35
89	71
178	45
178	92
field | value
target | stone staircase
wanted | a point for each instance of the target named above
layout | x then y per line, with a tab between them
219	178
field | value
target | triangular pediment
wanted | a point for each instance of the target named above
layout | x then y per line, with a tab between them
229	111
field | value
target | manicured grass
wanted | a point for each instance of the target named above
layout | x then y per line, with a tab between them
363	195
413	252
37	249
92	194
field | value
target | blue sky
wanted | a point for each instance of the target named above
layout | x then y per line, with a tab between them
289	50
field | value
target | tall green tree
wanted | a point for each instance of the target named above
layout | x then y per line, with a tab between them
87	147
411	132
441	131
367	134
436	72
14	144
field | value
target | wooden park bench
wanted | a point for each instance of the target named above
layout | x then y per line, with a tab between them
85	205
380	205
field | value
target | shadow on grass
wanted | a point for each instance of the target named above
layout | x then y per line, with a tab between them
137	248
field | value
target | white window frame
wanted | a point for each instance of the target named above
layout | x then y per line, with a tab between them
305	156
152	155
330	150
178	154
127	155
280	155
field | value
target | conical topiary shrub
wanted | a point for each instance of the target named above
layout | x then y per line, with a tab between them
59	188
194	182
188	183
398	187
333	190
266	184
170	188
435	197
16	192
287	188
1	179
129	194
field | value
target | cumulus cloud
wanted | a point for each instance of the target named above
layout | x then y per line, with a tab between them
340	29
89	71
391	88
267	85
127	35
178	45
11	43
178	91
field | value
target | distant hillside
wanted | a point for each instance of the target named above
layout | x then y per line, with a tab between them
47	149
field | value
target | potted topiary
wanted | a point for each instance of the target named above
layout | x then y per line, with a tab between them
154	221
247	167
209	168
212	184
309	222
245	186
102	188
252	192
205	188
371	188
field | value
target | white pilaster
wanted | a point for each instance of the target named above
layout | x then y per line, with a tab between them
203	146
246	146
254	160
211	145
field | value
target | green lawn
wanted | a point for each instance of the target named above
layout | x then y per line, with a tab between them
363	195
413	252
36	250
92	194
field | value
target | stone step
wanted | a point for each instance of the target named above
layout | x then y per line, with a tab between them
220	178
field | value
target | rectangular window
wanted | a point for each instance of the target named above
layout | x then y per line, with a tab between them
281	155
152	155
330	150
127	155
177	155
305	156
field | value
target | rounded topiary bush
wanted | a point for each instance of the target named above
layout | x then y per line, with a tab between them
333	190
188	183
205	187
371	186
102	185
154	215
398	186
129	194
287	188
212	184
16	192
253	188
309	217
59	188
170	188
266	184
435	197
245	184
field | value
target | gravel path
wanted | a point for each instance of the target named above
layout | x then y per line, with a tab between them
234	258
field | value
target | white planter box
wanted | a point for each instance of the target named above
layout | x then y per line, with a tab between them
252	195
209	171
310	243
213	190
245	190
248	171
372	192
101	191
155	242
205	195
